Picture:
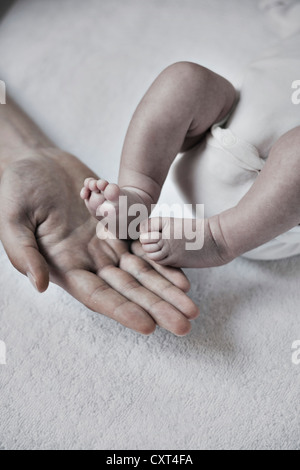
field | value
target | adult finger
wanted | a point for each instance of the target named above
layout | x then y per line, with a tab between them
174	275
98	296
141	270
165	315
21	247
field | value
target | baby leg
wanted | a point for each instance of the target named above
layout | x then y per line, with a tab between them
272	205
270	208
181	105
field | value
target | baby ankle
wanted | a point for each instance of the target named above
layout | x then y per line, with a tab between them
224	252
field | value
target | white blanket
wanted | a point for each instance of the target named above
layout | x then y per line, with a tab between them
75	380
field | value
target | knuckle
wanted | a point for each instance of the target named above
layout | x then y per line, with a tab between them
131	285
155	306
143	270
125	259
185	66
105	269
93	298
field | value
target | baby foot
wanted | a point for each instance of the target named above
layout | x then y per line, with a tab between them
96	192
173	242
111	205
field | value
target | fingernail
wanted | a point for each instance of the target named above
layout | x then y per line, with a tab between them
32	280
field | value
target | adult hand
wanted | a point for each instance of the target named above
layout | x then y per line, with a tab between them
48	234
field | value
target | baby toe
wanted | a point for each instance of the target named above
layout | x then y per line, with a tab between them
95	201
112	192
93	186
151	248
85	193
150	238
159	255
87	182
102	184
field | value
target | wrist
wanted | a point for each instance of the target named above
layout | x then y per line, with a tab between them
20	138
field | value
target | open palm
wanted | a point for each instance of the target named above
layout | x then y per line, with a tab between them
48	234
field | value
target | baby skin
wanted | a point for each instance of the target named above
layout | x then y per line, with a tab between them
173	117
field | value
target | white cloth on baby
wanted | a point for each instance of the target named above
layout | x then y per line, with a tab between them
230	160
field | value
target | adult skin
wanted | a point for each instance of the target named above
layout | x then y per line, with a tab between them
48	234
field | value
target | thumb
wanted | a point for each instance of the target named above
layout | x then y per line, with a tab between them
22	250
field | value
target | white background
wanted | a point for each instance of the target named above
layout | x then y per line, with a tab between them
76	380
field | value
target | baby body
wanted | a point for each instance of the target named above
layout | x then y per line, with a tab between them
246	170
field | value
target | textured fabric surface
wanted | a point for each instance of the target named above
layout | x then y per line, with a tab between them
75	380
